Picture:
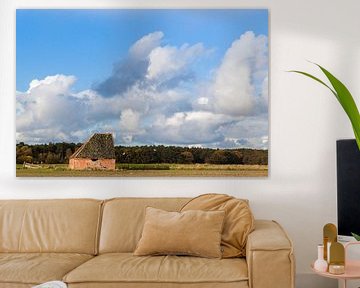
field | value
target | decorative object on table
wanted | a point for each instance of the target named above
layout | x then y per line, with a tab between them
51	284
320	264
329	236
187	95
337	258
333	252
336	269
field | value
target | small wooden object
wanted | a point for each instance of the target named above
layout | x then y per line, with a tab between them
330	236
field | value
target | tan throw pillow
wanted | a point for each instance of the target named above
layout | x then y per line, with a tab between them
239	220
196	233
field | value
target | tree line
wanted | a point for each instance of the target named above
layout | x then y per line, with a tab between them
59	153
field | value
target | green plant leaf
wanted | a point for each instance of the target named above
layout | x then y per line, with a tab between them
316	79
344	97
347	102
356	236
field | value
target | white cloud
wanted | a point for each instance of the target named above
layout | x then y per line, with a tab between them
168	61
143	47
48	111
86	94
56	84
203	101
148	99
187	128
129	124
132	68
242	70
129	121
265	91
265	139
249	131
151	65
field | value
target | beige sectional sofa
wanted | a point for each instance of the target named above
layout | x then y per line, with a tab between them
89	243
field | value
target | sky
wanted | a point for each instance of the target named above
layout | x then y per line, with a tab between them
171	77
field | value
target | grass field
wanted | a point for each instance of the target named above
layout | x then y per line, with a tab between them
149	170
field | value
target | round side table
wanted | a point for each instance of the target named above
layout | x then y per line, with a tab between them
352	269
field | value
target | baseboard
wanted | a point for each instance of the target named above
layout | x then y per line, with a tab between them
310	280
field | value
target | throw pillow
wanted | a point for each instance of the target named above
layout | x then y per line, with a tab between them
239	220
196	233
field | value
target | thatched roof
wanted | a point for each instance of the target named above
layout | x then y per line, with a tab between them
99	146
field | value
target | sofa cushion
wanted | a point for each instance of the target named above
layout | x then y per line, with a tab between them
36	268
239	220
63	226
193	232
15	285
123	220
126	268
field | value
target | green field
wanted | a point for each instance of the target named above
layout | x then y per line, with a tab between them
148	170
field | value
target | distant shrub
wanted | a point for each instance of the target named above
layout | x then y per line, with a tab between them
143	166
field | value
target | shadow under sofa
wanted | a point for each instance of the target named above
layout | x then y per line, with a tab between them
90	243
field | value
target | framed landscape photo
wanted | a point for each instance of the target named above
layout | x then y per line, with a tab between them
142	92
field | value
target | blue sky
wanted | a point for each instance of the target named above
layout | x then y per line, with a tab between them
86	42
95	56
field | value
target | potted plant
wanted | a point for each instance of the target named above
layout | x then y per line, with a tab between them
345	99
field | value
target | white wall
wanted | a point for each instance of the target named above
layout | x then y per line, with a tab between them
305	121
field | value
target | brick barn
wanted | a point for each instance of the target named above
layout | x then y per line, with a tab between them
98	153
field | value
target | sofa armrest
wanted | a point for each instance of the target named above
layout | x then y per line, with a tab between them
269	256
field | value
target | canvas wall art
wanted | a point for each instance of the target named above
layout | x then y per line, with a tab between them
142	92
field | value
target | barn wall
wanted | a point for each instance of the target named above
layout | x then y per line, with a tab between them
82	164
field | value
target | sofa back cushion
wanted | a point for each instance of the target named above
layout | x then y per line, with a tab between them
238	224
66	226
123	220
